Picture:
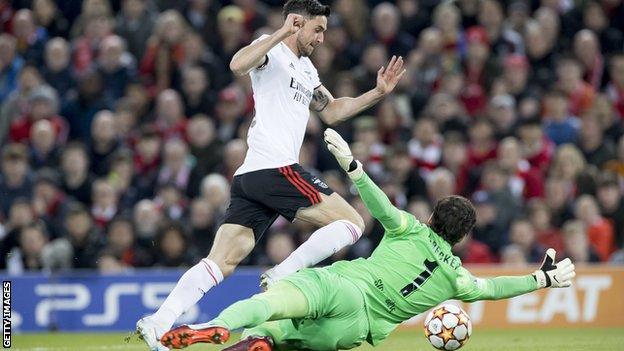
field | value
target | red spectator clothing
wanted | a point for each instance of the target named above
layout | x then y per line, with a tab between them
616	95
149	64
477	158
527	181
541	160
85	53
474	98
176	131
20	129
477	252
6	17
144	167
601	237
426	157
550	238
581	99
593	75
101	216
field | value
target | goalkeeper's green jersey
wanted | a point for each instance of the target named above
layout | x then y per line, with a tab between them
413	269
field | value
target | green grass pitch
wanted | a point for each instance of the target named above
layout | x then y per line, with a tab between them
402	340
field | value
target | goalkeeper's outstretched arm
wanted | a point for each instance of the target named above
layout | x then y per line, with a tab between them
376	201
560	275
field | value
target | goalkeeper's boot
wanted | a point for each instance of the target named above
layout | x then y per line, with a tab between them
149	332
185	335
252	343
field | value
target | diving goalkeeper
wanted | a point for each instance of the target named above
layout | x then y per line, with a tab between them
350	302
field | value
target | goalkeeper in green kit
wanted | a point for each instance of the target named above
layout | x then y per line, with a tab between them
364	300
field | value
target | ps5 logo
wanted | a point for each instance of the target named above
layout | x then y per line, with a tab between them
77	297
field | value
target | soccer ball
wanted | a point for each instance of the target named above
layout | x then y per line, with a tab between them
448	327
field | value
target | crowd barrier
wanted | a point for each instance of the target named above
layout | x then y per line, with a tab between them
88	301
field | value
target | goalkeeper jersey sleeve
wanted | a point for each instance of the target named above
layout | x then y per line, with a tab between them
471	288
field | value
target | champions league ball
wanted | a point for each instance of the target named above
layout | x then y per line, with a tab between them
448	327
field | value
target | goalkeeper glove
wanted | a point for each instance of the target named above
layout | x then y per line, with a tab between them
341	151
551	275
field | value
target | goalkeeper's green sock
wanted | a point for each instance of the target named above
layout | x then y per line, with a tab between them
281	301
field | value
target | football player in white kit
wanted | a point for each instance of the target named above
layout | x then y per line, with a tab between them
270	182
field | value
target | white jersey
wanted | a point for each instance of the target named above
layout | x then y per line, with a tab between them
282	91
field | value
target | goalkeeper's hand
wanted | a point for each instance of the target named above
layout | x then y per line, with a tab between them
341	151
551	275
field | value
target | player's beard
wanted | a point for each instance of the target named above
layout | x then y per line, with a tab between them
304	49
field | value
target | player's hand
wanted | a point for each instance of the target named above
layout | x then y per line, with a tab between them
341	151
551	275
292	24
388	77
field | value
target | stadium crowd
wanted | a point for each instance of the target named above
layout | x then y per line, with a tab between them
121	125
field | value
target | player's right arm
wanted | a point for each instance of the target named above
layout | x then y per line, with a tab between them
393	220
254	55
471	288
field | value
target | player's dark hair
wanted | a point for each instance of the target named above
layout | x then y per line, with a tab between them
306	8
453	217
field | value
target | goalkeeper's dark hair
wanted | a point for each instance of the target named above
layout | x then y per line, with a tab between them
453	217
306	8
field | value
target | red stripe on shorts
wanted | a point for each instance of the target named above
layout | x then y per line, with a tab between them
308	186
285	173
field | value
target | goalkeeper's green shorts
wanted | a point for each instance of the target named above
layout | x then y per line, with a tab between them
336	315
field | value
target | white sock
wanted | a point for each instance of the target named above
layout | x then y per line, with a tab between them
190	288
323	243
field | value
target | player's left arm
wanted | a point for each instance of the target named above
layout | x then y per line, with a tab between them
333	111
550	275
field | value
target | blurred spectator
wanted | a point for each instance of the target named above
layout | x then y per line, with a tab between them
43	105
170	119
502	114
115	65
44	151
123	178
109	263
28	256
568	164
541	218
599	229
400	166
177	168
16	179
80	246
147	218
425	147
609	196
487	229
173	249
386	23
615	88
10	65
85	47
204	146
472	251
229	111
76	178
513	255
81	107
196	53
595	147
20	215
56	69
135	23
570	81
587	51
233	156
203	224
30	37
440	183
164	52
536	147
121	242
50	18
197	98
216	189
525	181
103	142
48	200
522	234
104	201
232	34
90	10
201	14
595	19
17	104
279	246
559	125
576	243
147	156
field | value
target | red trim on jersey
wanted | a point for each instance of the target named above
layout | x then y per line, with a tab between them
353	231
290	178
307	185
